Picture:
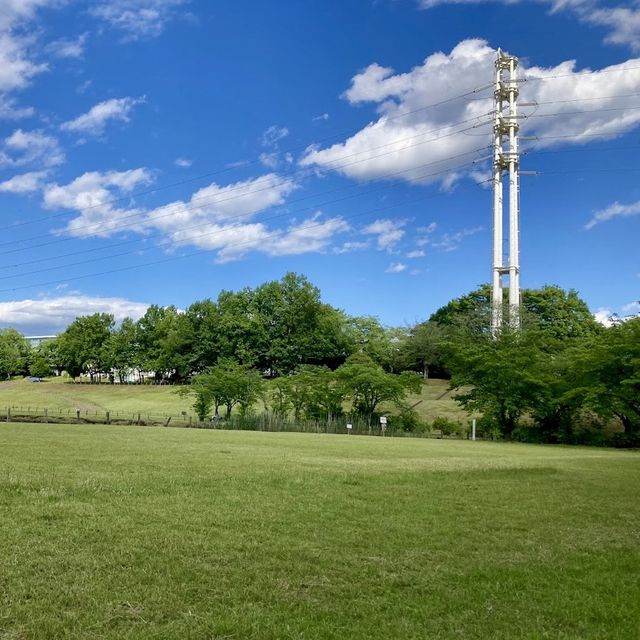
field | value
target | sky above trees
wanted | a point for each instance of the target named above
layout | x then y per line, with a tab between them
160	151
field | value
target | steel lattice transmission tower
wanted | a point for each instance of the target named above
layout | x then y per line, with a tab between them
505	161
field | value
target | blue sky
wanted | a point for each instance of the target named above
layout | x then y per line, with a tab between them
159	151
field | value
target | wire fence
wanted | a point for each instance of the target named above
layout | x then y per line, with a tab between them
266	421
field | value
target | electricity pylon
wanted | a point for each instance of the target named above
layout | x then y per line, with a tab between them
505	161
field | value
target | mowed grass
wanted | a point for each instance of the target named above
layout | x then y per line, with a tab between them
60	394
134	532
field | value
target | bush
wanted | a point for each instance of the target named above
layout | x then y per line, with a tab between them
408	421
446	426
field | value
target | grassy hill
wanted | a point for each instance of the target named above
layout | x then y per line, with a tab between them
61	394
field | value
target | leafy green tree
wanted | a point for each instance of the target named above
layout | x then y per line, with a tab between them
367	384
122	351
367	336
226	384
204	326
310	392
423	347
40	364
500	376
605	376
561	313
81	347
14	353
295	326
165	343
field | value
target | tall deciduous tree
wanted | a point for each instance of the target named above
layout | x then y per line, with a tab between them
224	385
14	353
81	347
367	384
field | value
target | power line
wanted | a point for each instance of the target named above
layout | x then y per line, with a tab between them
257	160
266	179
198	252
213	233
576	74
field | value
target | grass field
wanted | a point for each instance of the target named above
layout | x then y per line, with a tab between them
59	393
133	532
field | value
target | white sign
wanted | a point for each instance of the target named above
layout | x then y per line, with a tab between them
349	426
383	420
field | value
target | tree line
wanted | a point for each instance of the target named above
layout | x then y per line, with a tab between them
560	377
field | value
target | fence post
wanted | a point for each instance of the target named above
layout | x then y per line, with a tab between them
78	415
108	418
138	419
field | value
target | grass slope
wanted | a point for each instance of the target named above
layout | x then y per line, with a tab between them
57	393
125	532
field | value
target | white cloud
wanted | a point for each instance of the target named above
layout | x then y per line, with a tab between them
67	48
322	116
24	183
56	313
137	18
624	23
451	241
416	254
18	64
273	135
388	232
409	142
184	163
396	267
93	195
215	218
310	236
95	120
632	307
615	210
30	147
348	247
604	316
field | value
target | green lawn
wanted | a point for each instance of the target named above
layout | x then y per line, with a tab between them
136	532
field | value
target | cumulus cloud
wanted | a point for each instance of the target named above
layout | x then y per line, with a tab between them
221	218
18	62
94	195
24	182
615	210
444	143
95	120
137	19
418	253
30	147
53	314
183	163
388	232
218	218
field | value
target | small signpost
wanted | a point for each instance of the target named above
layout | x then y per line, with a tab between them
349	428
473	429
383	423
